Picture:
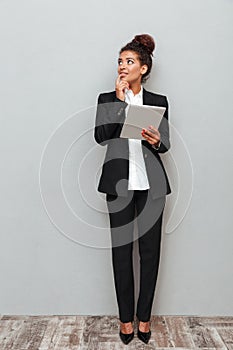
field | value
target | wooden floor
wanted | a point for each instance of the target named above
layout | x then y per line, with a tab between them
101	333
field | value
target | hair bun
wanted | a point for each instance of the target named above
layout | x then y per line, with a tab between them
147	41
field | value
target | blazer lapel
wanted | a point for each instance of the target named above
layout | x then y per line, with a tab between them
144	102
146	98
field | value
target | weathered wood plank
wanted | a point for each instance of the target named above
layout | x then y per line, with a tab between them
159	332
61	336
204	336
216	321
179	332
30	334
227	336
65	332
98	330
49	333
76	335
15	317
5	327
8	332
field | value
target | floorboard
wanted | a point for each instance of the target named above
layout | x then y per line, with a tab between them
102	333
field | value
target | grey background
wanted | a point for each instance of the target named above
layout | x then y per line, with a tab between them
56	57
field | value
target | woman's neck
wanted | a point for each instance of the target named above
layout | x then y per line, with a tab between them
135	88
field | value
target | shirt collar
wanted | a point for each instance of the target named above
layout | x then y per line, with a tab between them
139	94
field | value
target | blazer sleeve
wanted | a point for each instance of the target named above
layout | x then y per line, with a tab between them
110	116
164	131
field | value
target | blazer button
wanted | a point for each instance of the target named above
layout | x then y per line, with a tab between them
145	155
120	111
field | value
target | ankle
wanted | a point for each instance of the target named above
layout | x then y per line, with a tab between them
144	326
126	328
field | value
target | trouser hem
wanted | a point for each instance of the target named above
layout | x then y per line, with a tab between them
142	319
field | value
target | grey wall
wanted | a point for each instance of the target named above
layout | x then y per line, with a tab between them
56	57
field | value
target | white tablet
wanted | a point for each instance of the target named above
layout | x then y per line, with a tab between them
139	117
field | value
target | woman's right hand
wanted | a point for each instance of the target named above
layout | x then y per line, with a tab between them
121	85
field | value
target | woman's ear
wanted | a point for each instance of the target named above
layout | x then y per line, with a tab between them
144	69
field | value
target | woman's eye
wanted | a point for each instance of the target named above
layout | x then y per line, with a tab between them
128	62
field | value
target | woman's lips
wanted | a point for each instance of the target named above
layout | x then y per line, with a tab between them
121	74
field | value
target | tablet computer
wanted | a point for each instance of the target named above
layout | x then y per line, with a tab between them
139	117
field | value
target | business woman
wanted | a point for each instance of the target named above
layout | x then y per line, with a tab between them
135	183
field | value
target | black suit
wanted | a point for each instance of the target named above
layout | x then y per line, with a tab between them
109	118
122	203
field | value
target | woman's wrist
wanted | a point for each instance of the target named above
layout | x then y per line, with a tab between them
120	97
156	145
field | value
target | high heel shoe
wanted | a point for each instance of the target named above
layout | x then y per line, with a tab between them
126	338
144	336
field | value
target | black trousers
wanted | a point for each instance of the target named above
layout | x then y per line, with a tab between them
123	211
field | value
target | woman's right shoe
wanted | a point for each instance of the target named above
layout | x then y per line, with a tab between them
126	338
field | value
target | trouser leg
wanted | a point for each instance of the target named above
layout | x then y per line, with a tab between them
149	230
121	215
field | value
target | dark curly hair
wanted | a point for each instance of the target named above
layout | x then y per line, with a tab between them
144	46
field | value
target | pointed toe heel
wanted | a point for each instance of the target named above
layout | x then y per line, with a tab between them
144	336
126	338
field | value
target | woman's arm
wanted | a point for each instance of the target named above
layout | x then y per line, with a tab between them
110	117
159	139
164	131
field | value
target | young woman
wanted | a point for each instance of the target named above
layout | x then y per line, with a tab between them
135	182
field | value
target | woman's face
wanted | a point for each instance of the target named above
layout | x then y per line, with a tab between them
130	68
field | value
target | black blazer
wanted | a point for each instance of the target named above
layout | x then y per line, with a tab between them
110	117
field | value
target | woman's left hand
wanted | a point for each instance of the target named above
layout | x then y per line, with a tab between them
152	135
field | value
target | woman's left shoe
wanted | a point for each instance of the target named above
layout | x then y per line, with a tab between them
126	338
144	336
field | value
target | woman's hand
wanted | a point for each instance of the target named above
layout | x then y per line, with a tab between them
152	135
121	85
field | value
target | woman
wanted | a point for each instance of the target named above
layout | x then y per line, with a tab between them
135	182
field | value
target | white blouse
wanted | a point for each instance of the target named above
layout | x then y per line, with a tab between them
138	179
